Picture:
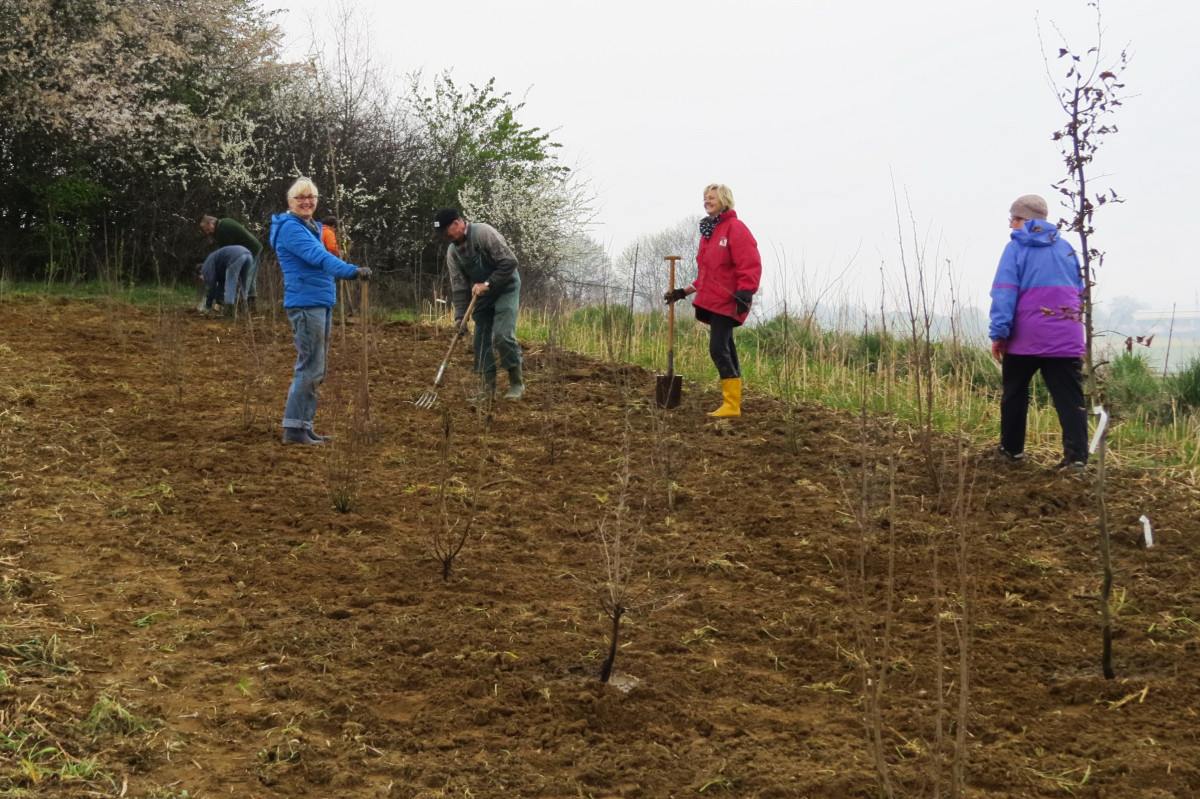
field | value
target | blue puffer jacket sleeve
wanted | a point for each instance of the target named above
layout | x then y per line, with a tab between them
308	268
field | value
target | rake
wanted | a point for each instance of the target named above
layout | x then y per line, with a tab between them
427	399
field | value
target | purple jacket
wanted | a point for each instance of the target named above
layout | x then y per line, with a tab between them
1036	296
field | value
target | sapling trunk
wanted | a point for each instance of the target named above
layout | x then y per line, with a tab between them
606	668
1091	93
1106	565
449	537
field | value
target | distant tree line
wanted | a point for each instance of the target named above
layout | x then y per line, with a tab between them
123	121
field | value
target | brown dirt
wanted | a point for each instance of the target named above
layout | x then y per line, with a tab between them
163	550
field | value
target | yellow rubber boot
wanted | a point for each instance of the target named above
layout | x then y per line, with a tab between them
731	390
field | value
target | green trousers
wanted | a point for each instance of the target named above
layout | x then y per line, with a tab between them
496	332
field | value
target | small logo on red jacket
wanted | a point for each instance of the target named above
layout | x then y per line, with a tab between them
723	243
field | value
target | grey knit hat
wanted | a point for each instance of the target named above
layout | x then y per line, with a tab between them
1029	206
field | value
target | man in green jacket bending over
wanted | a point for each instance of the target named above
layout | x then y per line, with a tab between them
482	265
228	232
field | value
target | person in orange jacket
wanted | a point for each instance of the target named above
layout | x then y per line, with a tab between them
728	271
329	226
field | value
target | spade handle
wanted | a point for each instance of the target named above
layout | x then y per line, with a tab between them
674	259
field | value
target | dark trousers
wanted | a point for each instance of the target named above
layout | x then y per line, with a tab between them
721	347
1064	379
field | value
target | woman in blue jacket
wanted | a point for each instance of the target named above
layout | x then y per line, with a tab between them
308	296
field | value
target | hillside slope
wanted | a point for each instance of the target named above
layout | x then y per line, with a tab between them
797	587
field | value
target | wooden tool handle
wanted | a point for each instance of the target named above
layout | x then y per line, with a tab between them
671	318
460	328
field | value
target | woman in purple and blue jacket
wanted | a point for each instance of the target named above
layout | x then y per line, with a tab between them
1037	325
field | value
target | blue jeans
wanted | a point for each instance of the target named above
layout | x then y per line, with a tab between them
310	332
496	331
250	275
237	271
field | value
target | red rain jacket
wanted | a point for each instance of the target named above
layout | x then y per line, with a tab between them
727	262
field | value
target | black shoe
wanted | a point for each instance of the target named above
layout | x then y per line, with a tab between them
1004	456
298	435
1068	466
318	439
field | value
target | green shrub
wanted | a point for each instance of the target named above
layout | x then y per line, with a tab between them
976	365
599	316
1130	387
1184	386
784	335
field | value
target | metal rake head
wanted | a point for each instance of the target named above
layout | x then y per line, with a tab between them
426	400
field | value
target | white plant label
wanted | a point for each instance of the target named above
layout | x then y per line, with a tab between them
1098	411
1147	531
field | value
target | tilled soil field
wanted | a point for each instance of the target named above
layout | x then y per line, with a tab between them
184	613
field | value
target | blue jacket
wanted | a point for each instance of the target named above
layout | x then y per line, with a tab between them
1037	294
308	268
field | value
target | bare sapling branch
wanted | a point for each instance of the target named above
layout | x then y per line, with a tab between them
632	306
343	455
254	371
452	530
666	456
625	584
963	480
171	350
1089	93
872	623
552	395
920	321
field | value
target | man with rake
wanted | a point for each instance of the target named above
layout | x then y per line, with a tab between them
481	265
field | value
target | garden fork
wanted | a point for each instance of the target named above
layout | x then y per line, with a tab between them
427	399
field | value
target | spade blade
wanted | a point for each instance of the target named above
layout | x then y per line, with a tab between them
667	390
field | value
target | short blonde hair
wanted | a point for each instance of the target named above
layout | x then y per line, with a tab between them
301	185
724	194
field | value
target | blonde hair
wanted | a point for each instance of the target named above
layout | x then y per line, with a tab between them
302	184
724	194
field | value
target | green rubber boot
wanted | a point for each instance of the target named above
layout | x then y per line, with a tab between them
516	383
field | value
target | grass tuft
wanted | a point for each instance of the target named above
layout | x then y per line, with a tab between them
110	716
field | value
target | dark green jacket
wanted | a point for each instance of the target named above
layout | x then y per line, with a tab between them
229	232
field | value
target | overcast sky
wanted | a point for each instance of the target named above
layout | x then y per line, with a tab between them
811	112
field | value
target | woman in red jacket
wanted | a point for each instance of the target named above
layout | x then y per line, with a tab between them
728	271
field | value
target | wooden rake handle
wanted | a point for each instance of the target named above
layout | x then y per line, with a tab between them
457	333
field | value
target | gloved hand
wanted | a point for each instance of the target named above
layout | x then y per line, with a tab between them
363	273
674	296
999	348
460	324
742	299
